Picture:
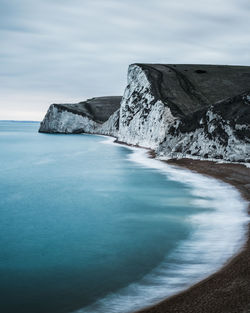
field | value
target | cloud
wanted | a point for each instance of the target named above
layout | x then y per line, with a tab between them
79	49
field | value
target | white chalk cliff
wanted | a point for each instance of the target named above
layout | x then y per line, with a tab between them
198	111
82	117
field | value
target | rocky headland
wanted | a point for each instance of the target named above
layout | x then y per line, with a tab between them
194	111
83	117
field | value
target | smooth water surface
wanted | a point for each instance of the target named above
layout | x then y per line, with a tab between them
81	223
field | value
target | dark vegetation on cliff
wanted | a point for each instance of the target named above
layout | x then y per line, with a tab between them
190	88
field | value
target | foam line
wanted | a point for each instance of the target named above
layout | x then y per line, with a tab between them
218	234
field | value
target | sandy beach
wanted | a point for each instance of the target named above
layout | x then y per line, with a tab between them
228	290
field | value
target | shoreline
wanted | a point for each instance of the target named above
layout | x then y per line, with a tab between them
228	289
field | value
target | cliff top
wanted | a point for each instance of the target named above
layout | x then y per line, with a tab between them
98	108
191	87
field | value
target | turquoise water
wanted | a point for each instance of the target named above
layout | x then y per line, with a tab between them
83	224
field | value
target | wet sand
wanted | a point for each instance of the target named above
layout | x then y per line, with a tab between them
228	290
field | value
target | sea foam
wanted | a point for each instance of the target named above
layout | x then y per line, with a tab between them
218	234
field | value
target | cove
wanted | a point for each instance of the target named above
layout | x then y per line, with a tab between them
93	227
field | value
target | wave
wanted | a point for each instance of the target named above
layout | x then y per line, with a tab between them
218	234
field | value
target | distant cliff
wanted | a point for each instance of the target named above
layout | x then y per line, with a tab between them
86	116
178	110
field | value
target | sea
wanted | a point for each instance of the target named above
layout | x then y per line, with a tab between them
89	226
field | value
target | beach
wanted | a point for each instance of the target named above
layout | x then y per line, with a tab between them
228	290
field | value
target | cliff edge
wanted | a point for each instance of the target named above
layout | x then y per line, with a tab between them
198	111
180	111
86	116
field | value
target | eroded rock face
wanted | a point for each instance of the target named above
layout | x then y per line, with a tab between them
144	118
58	120
220	132
81	117
198	111
111	126
188	110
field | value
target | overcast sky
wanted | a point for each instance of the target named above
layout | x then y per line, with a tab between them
70	50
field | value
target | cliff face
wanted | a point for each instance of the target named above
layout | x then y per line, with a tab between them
144	119
179	110
188	110
220	132
81	117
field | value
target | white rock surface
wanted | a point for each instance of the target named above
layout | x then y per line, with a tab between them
111	126
143	120
62	121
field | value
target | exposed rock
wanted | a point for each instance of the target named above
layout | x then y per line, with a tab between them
198	111
79	117
188	110
143	116
111	127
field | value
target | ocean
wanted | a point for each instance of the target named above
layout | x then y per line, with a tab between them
87	225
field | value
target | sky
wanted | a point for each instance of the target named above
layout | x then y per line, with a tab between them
58	51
